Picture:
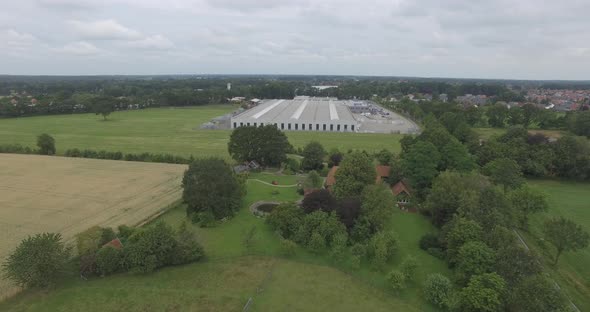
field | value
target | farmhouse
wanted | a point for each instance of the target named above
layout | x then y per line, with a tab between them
303	113
401	190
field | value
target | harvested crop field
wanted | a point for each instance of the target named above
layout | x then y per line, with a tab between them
70	195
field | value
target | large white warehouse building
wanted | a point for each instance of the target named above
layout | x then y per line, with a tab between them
300	114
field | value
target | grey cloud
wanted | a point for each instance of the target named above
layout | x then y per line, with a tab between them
104	30
80	48
495	38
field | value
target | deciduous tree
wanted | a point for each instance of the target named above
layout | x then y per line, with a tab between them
484	294
565	235
46	144
313	156
356	171
210	185
266	144
37	261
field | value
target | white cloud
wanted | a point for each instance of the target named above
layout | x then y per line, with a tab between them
104	30
80	48
13	39
156	42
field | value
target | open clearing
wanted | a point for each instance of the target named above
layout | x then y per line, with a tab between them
70	195
164	130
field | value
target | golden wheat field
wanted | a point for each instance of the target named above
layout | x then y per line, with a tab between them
70	195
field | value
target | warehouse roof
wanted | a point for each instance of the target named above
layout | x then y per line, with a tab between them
299	110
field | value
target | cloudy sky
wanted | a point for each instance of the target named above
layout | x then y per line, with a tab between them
527	39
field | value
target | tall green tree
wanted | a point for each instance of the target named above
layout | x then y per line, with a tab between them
505	172
103	105
377	204
313	180
38	261
459	232
384	157
474	258
565	235
266	144
537	294
356	171
46	144
210	186
313	156
455	156
526	201
497	115
420	164
451	192
484	293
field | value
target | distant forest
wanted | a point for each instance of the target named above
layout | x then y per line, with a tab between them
41	95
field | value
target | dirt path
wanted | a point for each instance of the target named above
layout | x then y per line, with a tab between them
270	184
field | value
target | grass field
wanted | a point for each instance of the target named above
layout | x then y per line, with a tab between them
571	200
232	273
164	130
67	195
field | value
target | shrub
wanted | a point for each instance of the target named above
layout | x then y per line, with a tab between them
46	144
382	247
429	240
355	262
338	246
316	243
359	250
89	241
396	280
187	248
151	248
293	165
37	261
125	231
288	247
106	235
319	200
286	219
108	260
408	267
437	290
436	252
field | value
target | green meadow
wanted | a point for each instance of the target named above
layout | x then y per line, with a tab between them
164	130
570	200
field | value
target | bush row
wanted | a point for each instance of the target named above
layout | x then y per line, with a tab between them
145	157
141	250
16	149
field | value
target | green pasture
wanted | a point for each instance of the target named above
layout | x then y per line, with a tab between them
163	130
570	200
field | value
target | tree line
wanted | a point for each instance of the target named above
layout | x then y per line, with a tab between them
26	96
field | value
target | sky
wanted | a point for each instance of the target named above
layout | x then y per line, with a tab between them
510	39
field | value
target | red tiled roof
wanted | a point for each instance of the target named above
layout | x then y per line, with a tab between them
116	243
400	187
